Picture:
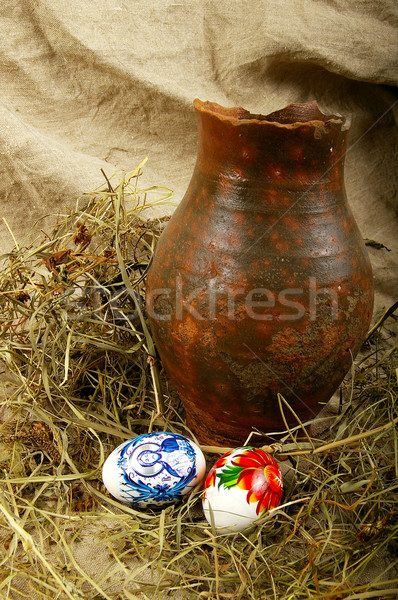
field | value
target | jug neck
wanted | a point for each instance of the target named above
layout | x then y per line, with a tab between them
294	147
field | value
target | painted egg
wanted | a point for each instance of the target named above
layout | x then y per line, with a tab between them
153	469
241	487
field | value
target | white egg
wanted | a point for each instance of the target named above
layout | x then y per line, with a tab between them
240	487
154	469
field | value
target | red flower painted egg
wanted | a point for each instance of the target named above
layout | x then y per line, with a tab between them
241	487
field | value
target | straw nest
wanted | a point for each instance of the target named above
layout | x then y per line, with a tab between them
79	376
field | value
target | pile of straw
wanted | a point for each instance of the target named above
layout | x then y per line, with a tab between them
80	375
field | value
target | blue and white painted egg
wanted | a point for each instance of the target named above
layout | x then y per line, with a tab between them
154	469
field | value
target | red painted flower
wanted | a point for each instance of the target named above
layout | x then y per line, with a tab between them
257	472
211	477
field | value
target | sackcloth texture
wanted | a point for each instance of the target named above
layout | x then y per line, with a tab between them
101	84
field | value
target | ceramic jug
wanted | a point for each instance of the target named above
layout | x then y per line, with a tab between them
260	283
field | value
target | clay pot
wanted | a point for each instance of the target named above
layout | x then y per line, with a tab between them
261	282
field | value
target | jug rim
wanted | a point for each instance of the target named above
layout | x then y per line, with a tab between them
290	117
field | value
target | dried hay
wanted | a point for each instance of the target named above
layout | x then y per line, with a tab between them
80	376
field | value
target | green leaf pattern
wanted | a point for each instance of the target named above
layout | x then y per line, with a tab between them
229	476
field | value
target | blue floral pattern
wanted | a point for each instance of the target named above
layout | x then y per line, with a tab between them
155	469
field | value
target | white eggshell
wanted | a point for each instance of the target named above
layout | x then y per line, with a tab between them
154	469
241	486
231	514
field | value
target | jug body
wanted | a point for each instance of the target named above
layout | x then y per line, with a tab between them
260	283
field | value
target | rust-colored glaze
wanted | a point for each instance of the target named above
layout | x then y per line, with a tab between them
261	282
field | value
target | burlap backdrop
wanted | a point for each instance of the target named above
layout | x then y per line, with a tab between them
104	83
